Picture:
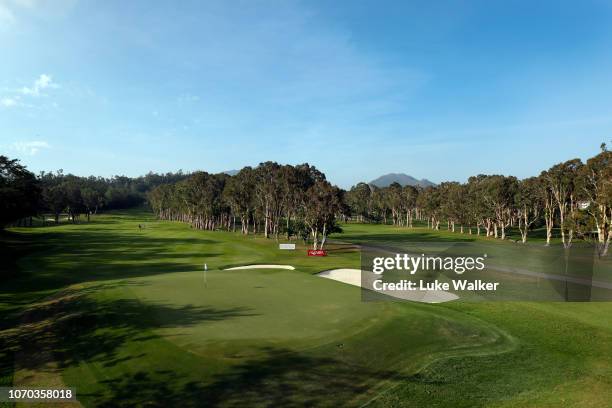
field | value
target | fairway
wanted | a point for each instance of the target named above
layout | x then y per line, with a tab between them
126	317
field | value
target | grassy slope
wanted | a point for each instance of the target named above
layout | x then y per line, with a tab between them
136	324
563	353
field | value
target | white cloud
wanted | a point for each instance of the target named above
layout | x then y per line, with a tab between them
7	17
8	102
14	11
26	3
30	148
44	81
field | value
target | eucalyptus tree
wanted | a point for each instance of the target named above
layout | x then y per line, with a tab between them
394	202
595	181
529	203
92	194
410	195
478	206
268	192
239	193
319	208
19	192
359	199
561	181
498	192
296	182
460	195
162	200
430	201
451	203
74	199
379	204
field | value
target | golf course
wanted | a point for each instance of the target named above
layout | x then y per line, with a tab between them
121	310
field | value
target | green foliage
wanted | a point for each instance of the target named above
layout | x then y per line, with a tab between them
19	192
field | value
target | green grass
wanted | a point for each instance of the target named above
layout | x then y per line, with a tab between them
124	316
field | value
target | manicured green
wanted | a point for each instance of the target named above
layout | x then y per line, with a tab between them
124	315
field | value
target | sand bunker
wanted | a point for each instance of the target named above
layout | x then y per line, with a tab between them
235	268
354	276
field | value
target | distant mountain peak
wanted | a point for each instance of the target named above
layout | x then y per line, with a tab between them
401	178
231	172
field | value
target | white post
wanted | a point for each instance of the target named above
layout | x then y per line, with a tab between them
205	270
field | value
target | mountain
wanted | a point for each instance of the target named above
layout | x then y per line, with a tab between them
231	172
401	178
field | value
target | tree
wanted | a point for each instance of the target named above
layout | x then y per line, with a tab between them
239	194
452	204
498	192
595	182
479	210
410	195
429	200
268	193
19	192
561	180
55	199
529	204
320	205
359	199
395	202
92	200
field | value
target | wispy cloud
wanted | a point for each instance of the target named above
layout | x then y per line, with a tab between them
8	102
22	97
7	17
30	148
14	11
43	82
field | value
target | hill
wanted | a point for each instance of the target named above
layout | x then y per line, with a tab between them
401	178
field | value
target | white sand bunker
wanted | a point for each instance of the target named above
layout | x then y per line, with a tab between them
235	268
353	277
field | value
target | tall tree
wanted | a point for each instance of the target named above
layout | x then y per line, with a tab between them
561	179
595	181
529	204
19	191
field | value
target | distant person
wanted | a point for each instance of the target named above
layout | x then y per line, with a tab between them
140	227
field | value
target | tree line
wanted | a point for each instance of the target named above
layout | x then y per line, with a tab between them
272	199
24	195
574	197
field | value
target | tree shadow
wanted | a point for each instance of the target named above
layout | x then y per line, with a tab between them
409	236
70	257
282	378
77	326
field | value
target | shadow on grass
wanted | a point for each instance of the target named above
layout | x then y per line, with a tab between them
282	378
409	236
69	257
76	326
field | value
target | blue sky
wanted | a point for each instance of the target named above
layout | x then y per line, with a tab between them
441	90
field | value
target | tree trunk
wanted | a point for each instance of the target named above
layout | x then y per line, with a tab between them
324	236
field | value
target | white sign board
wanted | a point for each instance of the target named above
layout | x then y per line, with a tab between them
286	246
583	205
